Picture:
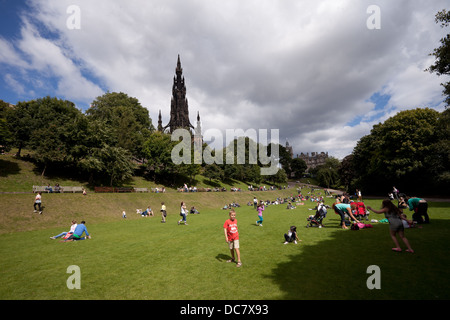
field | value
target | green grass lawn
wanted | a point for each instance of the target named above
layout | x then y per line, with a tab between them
141	258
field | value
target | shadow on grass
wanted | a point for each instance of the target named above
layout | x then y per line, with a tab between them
337	268
223	257
8	168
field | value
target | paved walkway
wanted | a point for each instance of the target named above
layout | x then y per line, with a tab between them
430	199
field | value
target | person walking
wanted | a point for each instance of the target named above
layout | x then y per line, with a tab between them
163	213
183	213
260	209
38	203
393	215
232	238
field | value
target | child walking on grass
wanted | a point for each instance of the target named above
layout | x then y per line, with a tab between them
260	209
183	213
232	238
163	213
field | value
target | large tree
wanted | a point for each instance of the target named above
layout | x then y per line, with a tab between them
442	54
397	152
129	121
6	137
51	127
298	167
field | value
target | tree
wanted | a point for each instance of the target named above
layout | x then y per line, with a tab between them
285	157
21	125
279	177
442	54
51	128
116	164
130	122
397	151
158	150
438	160
298	167
213	171
6	137
346	171
327	174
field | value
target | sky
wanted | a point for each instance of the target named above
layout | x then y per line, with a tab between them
319	72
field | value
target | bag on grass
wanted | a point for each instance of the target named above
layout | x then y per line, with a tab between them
354	226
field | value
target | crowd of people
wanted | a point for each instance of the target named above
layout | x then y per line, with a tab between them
343	205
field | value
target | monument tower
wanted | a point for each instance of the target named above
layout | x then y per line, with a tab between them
179	108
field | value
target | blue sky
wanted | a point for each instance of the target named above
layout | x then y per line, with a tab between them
314	70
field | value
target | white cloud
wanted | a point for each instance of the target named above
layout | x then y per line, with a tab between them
307	68
15	85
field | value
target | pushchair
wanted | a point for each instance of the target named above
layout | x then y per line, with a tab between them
361	211
317	219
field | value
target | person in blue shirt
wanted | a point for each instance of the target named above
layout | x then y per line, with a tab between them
78	232
341	209
420	208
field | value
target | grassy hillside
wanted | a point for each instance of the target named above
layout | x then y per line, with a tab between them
141	258
18	177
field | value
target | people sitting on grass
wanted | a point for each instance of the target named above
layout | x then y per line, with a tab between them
78	232
291	235
66	234
290	206
147	212
193	211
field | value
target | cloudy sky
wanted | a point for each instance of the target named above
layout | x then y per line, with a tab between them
321	72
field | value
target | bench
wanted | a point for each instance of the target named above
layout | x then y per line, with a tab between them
104	189
40	189
123	189
140	189
113	189
72	189
56	190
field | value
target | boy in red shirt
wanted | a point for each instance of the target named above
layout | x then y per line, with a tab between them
232	237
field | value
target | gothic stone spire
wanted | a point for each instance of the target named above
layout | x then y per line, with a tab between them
179	108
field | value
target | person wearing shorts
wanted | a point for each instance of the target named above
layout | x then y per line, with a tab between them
232	238
394	216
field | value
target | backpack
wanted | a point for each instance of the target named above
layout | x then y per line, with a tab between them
354	226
